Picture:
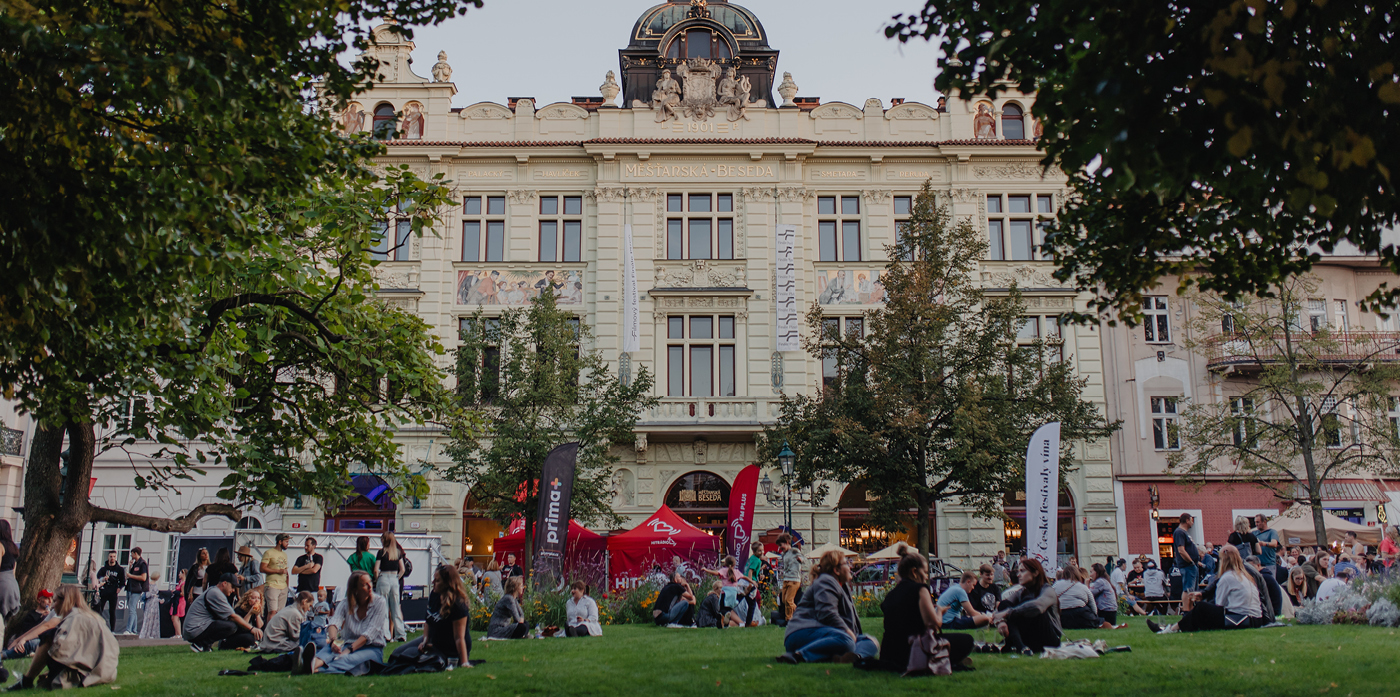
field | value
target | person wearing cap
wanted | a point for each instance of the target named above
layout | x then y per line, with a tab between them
27	629
249	577
277	574
211	618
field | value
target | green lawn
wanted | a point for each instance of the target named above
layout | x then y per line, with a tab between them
1341	660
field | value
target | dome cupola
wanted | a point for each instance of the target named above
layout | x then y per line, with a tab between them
718	31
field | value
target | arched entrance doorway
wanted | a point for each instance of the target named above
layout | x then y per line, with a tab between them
702	499
858	535
1014	504
368	511
479	533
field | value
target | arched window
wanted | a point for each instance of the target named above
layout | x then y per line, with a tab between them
699	42
1012	125
702	499
384	121
248	522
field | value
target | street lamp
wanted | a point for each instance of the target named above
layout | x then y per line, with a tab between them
787	460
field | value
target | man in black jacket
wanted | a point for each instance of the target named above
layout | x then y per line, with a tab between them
110	580
675	604
1275	591
986	593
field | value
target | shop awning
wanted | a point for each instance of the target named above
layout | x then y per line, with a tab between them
1346	490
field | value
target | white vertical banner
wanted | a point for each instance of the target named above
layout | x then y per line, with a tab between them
631	313
788	337
1043	495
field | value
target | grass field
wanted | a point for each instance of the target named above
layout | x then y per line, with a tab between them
1296	660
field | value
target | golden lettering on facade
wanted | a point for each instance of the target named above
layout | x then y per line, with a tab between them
913	174
697	171
477	174
697	127
558	173
837	174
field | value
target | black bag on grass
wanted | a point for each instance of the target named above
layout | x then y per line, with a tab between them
407	659
281	663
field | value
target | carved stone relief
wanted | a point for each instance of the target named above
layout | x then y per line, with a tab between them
486	111
1024	276
775	372
562	112
965	195
701	448
910	112
624	487
876	195
837	111
607	194
795	194
641	445
757	193
522	195
701	273
1015	170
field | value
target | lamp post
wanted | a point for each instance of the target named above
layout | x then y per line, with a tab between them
787	460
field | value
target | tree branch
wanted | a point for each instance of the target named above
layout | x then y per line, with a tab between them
182	524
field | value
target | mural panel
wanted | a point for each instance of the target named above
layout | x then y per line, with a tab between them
517	287
850	287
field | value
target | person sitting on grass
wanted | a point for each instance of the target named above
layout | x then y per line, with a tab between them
284	629
1076	601
1237	602
1346	561
955	606
675	604
1105	597
445	629
361	621
1029	612
1268	586
1334	585
581	613
729	579
909	612
710	611
211	617
824	625
250	608
984	595
1317	569
507	618
80	651
27	628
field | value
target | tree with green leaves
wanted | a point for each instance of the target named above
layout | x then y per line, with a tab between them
933	399
1239	139
532	373
1299	404
183	253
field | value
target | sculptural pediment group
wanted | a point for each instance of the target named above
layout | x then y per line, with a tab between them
704	88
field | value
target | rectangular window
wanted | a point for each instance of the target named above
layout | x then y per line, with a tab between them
475	220
675	327
1164	427
117	542
675	239
1317	314
699	203
1393	413
1021	240
1043	205
1157	328
698	233
997	241
675	371
561	239
724	240
549	240
573	205
847	245
1339	316
696	365
1242	410
491	353
675	203
994	204
1330	420
903	205
724	203
726	327
701	379
700	237
1029	329
1012	226
855	327
726	371
702	328
549	205
573	240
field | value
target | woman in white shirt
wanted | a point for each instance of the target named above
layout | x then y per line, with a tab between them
361	620
582	612
1076	601
1236	605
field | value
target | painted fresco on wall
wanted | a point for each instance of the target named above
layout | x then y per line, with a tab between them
850	287
517	287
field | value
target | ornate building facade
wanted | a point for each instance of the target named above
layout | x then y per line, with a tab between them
704	148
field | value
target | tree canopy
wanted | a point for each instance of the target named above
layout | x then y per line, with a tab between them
533	375
1242	139
930	398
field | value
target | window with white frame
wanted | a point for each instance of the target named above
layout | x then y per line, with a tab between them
561	228
903	208
172	560
1012	223
1340	322
1164	423
1330	423
1392	412
1230	322
483	228
488	384
838	228
117	541
700	226
1242	410
1157	323
1317	314
700	356
1042	328
393	246
853	326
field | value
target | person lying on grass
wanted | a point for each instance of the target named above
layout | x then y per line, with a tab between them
1237	602
361	620
80	651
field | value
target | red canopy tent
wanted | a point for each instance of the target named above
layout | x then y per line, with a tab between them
584	558
655	542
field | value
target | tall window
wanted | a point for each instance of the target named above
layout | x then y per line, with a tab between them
1317	314
854	326
700	356
699	43
699	226
1164	428
1045	328
385	123
1339	315
119	542
393	247
1013	127
489	362
491	221
1242	409
838	233
1011	225
1157	324
1393	413
903	206
561	236
1330	419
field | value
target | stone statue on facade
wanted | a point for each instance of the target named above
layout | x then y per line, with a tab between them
699	76
984	125
352	120
609	89
666	97
734	94
413	121
787	89
442	72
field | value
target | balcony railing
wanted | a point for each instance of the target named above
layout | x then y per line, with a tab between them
11	442
1238	351
737	410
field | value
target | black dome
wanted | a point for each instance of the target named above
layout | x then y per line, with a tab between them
657	38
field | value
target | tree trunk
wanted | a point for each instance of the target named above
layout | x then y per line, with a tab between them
925	533
1308	438
528	563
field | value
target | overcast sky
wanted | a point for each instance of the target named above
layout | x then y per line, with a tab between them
556	49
